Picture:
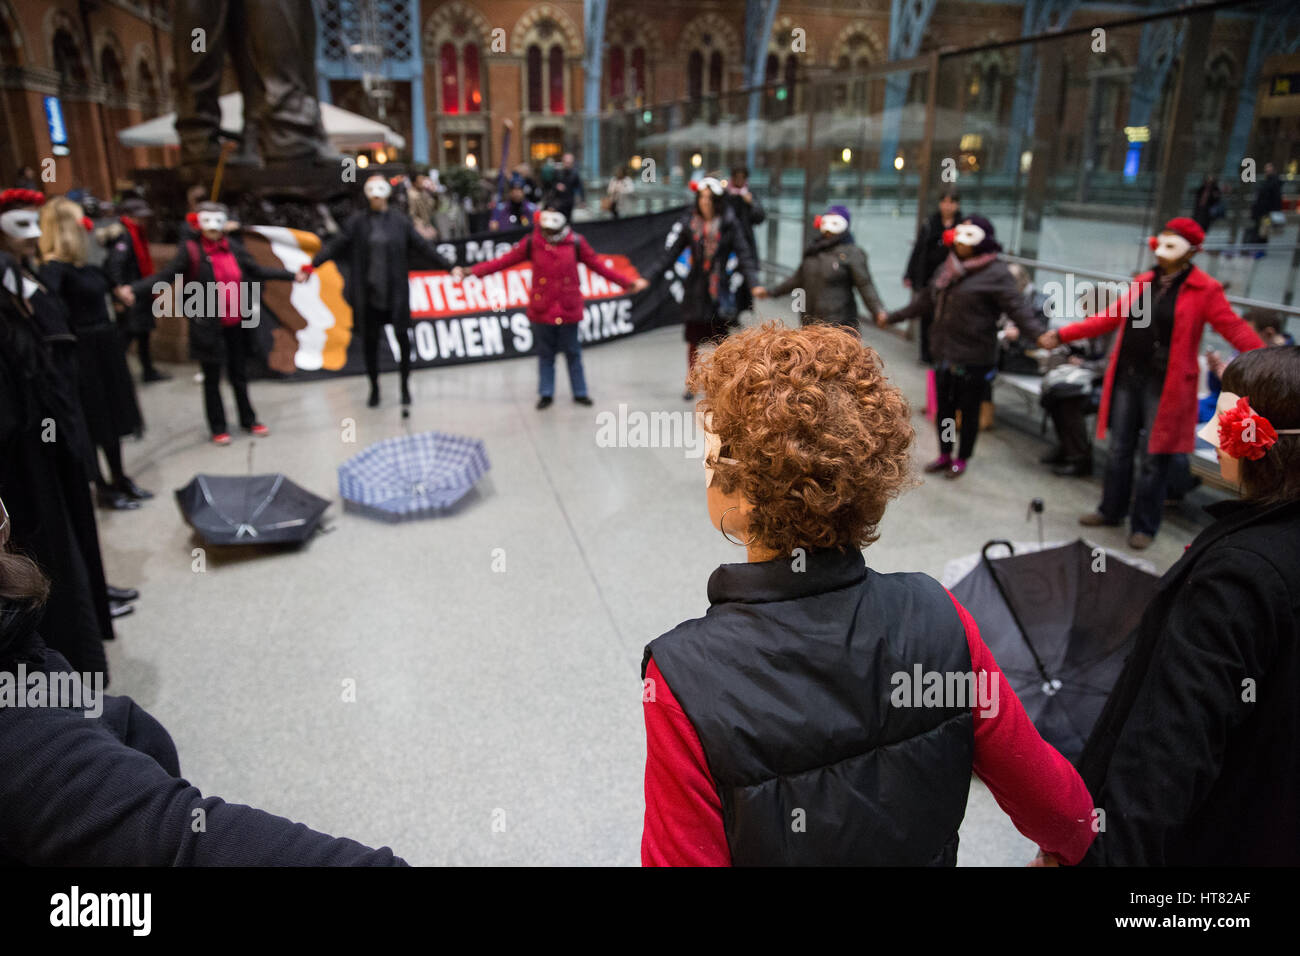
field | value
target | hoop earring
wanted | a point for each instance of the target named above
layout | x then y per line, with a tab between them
722	527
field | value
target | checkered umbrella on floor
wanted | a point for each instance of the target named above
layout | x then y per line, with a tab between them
250	509
411	476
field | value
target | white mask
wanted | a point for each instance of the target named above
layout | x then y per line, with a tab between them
968	234
21	224
551	220
834	225
212	221
712	185
377	189
1170	247
712	447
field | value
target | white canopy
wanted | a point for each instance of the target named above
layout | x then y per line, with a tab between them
343	129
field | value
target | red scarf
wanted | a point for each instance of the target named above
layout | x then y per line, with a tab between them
141	245
707	233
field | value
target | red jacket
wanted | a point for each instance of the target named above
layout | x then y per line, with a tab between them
556	295
1200	300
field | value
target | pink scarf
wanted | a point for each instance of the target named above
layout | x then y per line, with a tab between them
954	268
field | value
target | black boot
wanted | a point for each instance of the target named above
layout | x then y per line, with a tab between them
1074	468
1054	457
373	400
129	488
115	500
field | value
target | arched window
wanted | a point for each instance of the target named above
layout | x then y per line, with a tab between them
473	91
535	79
450	83
556	75
695	75
771	69
110	70
715	72
67	59
145	82
617	73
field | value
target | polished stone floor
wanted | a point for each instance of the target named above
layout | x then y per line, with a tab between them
494	653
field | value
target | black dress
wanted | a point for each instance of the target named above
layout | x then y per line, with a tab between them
45	486
108	399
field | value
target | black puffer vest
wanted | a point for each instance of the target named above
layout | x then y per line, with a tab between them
787	681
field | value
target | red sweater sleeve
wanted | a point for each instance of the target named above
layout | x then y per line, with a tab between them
515	254
1038	788
683	812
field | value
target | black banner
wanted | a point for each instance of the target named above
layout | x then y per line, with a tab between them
481	320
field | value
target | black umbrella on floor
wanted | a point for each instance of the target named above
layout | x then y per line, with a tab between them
250	509
1060	622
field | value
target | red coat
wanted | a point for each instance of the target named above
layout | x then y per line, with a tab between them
1200	300
556	296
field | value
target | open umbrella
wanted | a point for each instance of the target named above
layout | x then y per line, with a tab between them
250	509
411	476
1060	623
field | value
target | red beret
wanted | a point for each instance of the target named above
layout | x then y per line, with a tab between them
16	198
1189	229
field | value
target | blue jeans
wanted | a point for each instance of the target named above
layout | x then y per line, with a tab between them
1133	406
559	338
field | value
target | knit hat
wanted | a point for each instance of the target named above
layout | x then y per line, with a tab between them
988	243
1189	229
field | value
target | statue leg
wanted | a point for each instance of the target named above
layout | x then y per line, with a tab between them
282	44
199	48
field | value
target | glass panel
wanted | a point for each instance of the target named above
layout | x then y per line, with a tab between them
473	94
534	79
450	86
557	79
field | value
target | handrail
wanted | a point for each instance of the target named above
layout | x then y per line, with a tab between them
1113	277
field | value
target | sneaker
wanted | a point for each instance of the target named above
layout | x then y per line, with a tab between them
221	439
546	401
583	400
260	430
129	488
956	469
939	464
1095	519
1139	541
114	500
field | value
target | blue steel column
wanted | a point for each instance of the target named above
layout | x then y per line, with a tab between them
592	67
759	17
907	22
1041	16
415	73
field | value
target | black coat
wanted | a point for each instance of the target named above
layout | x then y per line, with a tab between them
45	488
108	791
108	400
699	308
123	268
1189	765
928	252
828	274
207	345
966	313
351	247
748	214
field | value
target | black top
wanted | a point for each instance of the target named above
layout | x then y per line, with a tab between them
83	289
1194	757
1144	349
381	234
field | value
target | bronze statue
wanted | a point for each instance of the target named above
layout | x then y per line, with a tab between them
272	45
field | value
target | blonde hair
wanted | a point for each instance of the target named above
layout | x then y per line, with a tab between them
63	237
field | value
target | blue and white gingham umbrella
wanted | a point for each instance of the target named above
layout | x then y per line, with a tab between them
411	476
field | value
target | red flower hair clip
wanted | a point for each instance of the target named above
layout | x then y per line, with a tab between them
1244	432
949	236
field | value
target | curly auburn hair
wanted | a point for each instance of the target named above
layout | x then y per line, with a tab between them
820	437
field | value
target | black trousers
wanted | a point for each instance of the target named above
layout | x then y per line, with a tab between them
236	344
1069	416
376	319
959	388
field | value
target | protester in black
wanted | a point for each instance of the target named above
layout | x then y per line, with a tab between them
376	245
107	393
928	253
1194	758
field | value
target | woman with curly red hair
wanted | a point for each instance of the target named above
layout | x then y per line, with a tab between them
783	727
1194	757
